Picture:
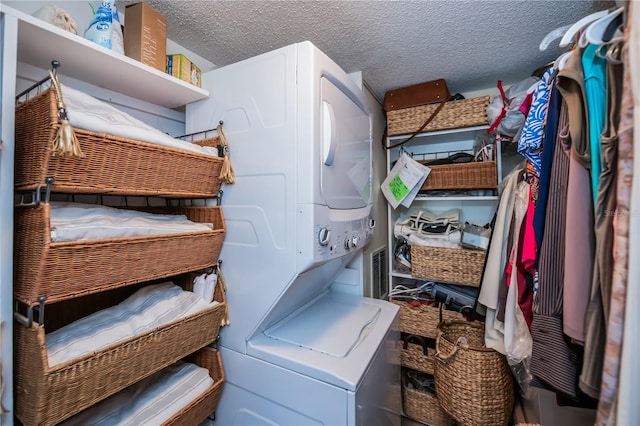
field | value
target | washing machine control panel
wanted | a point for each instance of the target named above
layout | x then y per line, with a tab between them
340	238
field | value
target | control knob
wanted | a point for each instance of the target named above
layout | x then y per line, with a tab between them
350	243
324	235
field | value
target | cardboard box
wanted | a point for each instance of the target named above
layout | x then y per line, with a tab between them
145	35
181	67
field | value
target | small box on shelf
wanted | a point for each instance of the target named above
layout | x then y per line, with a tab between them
179	66
145	35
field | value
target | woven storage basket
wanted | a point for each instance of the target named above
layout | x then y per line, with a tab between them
422	320
196	412
112	164
450	265
454	114
423	406
64	270
473	383
47	394
474	175
416	355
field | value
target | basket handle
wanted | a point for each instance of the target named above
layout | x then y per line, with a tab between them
412	338
417	132
461	342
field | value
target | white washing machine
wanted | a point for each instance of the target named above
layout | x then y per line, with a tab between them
299	348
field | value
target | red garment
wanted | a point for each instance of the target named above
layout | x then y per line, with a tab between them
526	104
525	264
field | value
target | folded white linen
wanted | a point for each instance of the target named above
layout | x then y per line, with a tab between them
77	221
151	401
146	309
88	113
205	285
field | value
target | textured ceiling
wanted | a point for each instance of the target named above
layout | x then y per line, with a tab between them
471	44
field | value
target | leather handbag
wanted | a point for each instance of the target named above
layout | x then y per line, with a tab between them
430	92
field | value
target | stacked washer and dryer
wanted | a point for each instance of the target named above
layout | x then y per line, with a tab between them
303	345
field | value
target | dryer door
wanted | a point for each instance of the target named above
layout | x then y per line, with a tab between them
346	150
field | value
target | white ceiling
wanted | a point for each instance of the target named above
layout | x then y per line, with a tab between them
470	43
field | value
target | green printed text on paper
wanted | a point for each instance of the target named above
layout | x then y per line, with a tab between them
398	188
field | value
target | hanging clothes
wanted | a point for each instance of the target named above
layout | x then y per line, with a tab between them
497	259
628	409
598	312
594	67
517	338
548	149
554	359
530	143
579	235
620	125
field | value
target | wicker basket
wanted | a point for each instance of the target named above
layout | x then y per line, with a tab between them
424	407
112	164
454	114
64	270
449	265
415	354
473	175
201	408
473	383
423	320
49	394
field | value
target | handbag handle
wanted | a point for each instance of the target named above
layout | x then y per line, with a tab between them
417	132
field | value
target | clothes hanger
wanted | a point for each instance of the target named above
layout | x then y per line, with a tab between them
570	34
613	30
552	35
562	60
595	32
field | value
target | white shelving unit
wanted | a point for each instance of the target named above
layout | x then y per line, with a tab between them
39	42
28	41
477	208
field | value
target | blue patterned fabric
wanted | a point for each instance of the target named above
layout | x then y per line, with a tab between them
530	143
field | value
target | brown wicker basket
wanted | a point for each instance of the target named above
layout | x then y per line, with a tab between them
454	114
196	412
474	383
450	265
422	320
49	394
112	164
474	175
64	270
424	407
415	354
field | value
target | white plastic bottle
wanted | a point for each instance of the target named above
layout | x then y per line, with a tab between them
99	30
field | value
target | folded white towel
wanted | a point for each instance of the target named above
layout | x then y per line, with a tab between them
88	113
77	221
151	401
148	308
204	285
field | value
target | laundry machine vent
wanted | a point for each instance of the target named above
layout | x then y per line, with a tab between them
379	274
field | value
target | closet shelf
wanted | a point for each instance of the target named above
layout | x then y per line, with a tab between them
40	42
453	132
457	198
